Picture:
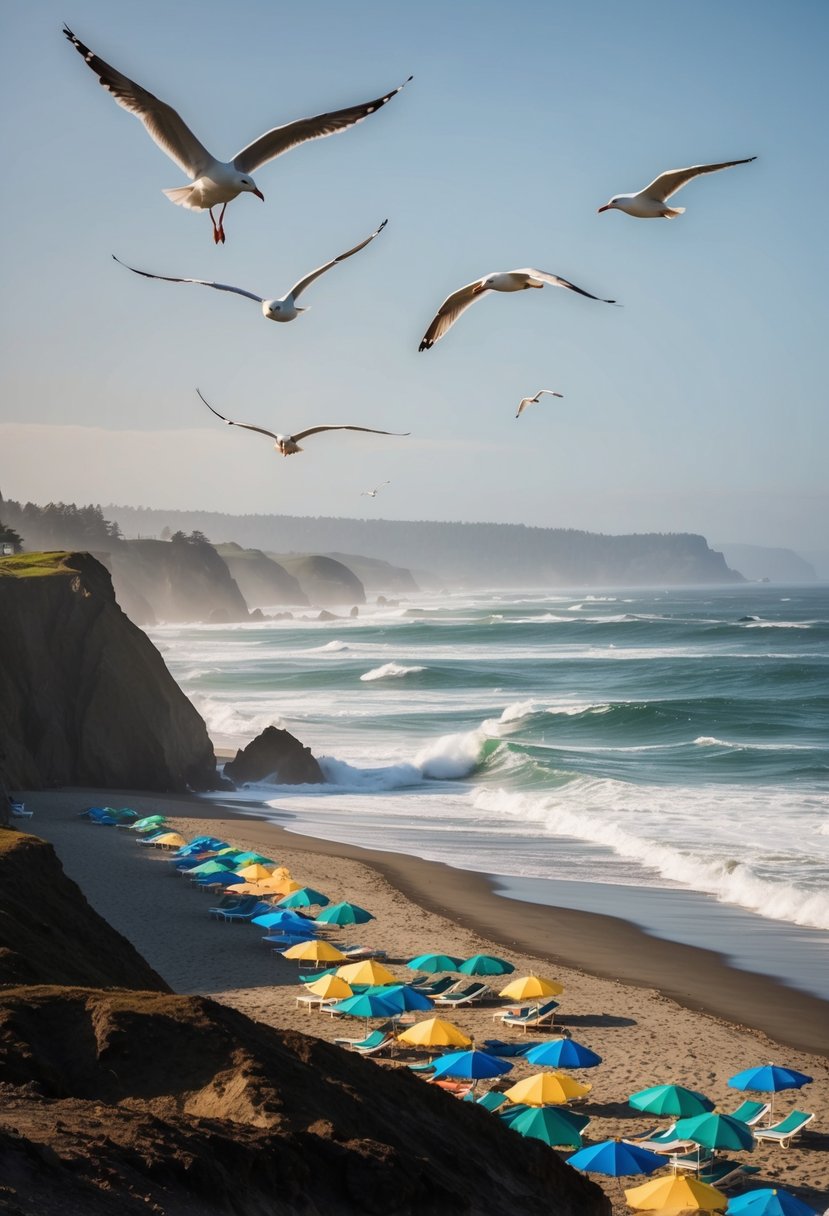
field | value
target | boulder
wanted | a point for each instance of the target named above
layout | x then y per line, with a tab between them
276	754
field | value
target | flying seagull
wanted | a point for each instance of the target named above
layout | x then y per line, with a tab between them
288	444
283	309
525	401
373	493
216	182
506	280
651	203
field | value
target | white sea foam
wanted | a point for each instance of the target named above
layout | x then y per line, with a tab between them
390	671
334	647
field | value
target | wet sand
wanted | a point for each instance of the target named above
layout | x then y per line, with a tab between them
654	1010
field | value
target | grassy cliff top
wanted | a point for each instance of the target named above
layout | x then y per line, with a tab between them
35	565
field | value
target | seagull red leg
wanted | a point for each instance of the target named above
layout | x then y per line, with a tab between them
216	233
221	224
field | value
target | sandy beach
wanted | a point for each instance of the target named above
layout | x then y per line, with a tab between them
655	1011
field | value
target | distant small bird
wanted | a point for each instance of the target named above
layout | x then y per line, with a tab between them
283	309
650	203
288	444
216	182
525	401
506	280
373	493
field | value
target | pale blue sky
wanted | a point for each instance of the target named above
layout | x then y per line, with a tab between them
701	405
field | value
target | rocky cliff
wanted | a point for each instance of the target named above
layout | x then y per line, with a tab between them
263	582
158	580
324	580
118	1102
85	698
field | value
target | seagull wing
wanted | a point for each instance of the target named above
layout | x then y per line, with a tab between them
247	425
315	430
548	391
163	124
282	139
451	309
523	403
165	278
666	184
557	281
315	274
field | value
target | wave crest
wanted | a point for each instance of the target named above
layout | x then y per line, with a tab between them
390	671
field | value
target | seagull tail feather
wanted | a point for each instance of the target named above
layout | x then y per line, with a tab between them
182	197
670	213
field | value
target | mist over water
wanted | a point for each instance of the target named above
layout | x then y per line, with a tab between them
675	739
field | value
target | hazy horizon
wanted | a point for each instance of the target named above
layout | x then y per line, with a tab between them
697	407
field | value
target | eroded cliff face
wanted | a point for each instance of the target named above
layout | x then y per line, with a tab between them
85	698
158	580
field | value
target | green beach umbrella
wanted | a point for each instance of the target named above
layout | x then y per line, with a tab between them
305	897
716	1131
551	1126
485	964
343	914
434	962
673	1100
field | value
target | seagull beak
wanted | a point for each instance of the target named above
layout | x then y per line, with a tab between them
606	207
259	194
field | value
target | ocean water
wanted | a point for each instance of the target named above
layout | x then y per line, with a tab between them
583	745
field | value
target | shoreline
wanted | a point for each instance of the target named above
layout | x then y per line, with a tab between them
605	947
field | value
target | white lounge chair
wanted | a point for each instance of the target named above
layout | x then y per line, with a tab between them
786	1130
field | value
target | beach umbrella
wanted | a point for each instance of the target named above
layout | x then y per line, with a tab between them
550	1125
369	971
716	1131
676	1193
213	866
435	1032
171	840
254	870
769	1078
366	1005
485	964
328	986
616	1158
673	1100
304	897
547	1089
282	917
769	1202
562	1053
530	986
314	951
251	858
434	963
344	914
149	821
473	1065
405	998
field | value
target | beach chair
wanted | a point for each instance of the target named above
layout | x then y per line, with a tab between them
497	1047
787	1130
663	1141
238	903
371	1040
466	996
491	1100
722	1173
360	952
387	1042
535	1016
750	1112
18	810
439	987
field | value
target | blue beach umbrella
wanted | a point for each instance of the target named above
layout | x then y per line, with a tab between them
305	897
283	918
769	1202
673	1100
473	1065
434	963
616	1158
563	1053
769	1078
485	964
551	1125
716	1131
343	914
366	1005
403	997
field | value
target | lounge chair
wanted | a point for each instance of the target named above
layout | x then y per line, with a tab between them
723	1173
371	1040
439	987
750	1112
535	1015
466	996
663	1141
492	1100
18	810
786	1130
359	952
497	1047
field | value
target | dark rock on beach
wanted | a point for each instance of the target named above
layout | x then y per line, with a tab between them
275	754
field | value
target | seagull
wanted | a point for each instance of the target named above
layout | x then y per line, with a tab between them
288	444
216	182
650	203
505	280
373	493
525	401
283	309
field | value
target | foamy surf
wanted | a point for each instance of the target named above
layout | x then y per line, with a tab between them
390	671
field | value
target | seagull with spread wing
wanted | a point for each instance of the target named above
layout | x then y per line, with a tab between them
373	493
214	182
283	309
652	202
288	444
505	280
525	401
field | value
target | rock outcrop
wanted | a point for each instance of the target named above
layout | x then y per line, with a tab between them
262	581
274	754
324	580
85	698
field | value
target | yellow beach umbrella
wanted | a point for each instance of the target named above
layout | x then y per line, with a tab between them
245	888
672	1193
280	886
547	1089
254	871
367	972
435	1032
529	986
314	951
329	986
171	840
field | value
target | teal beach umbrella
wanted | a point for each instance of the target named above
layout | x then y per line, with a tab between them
673	1100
